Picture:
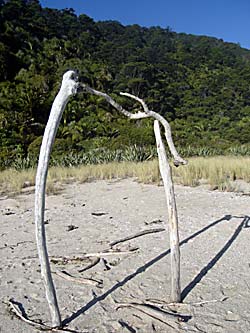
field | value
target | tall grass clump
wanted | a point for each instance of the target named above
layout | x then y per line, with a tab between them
219	172
12	180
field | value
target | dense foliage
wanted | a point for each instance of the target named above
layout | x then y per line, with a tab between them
200	84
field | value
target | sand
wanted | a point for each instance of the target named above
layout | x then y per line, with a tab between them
84	218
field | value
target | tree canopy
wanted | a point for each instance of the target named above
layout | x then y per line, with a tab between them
200	84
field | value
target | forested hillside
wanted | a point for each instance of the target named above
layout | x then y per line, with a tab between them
200	84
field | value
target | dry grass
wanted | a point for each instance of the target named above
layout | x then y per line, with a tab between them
146	172
219	172
12	180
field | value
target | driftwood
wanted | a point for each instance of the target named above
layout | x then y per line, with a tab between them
14	308
178	160
223	299
109	252
94	262
43	327
40	326
65	275
139	234
68	260
68	88
166	174
159	314
175	307
172	215
118	107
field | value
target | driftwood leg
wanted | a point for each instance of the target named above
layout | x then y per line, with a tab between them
166	175
68	88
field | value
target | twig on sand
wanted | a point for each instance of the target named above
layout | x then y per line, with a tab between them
139	234
14	308
94	262
162	303
209	301
67	260
65	275
156	313
109	252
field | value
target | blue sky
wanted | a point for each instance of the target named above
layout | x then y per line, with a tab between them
225	19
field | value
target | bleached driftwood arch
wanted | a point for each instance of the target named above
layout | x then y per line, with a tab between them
68	88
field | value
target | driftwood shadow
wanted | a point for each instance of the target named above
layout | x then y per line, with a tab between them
215	259
150	263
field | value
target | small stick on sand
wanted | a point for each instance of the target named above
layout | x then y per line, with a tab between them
139	234
68	260
65	275
161	302
17	312
97	256
110	253
153	312
13	307
207	302
94	262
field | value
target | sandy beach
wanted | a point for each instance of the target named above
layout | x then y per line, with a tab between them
85	218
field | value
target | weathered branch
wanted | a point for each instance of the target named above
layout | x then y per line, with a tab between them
156	313
68	260
111	252
94	262
68	88
118	107
42	327
178	160
166	175
20	315
138	99
138	234
108	252
65	275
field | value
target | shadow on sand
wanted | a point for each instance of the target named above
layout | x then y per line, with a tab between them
191	285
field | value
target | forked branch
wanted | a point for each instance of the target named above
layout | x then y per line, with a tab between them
178	160
118	107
